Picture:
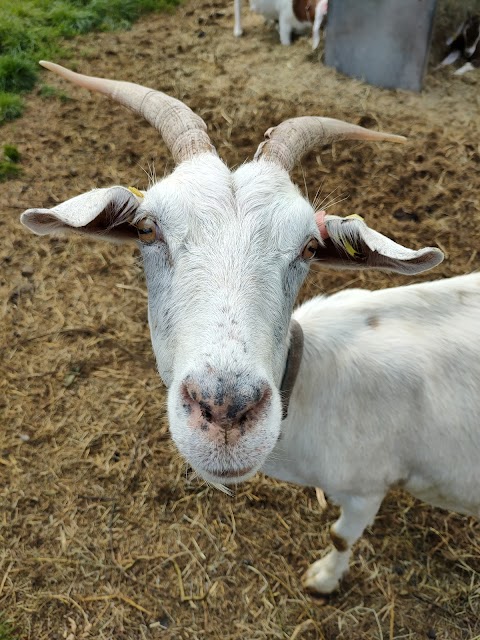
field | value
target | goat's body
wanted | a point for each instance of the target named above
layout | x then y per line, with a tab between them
389	393
465	44
281	10
293	16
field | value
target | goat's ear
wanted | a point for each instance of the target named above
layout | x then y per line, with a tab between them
350	244
101	213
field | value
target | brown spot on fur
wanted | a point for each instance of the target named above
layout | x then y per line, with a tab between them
339	543
464	296
304	10
399	484
373	322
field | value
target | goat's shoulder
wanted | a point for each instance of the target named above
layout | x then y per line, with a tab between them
450	296
270	9
396	310
435	294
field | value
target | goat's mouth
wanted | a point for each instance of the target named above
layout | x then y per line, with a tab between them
234	473
230	476
218	454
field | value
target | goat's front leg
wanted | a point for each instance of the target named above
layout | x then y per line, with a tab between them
320	12
285	27
468	66
357	513
237	29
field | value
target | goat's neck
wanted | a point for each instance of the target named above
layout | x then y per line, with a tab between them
292	364
313	390
312	349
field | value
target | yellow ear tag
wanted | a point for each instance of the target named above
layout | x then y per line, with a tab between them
347	246
349	249
135	192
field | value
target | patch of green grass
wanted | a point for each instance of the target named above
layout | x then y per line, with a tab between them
11	153
10	107
9	168
48	92
34	29
17	73
6	631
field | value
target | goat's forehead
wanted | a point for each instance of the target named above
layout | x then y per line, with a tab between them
193	184
265	185
206	194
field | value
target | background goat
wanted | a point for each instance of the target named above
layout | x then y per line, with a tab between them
293	16
465	43
225	254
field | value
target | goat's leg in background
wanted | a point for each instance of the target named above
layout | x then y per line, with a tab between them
320	13
237	7
468	66
450	59
324	575
285	27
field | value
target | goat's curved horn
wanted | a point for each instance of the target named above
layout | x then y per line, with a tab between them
184	133
287	143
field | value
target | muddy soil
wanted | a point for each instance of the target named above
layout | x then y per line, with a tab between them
105	532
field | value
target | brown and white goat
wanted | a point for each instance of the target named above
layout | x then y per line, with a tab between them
293	16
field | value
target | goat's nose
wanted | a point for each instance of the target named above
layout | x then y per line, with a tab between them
225	408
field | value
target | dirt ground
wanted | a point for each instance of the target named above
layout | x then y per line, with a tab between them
104	531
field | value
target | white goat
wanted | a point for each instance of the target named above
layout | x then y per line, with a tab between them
387	391
293	16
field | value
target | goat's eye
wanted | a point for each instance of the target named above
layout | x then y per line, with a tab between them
310	249
147	230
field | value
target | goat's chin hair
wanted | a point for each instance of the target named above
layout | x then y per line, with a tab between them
210	459
228	482
210	462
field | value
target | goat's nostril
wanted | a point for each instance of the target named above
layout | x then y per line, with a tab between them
206	411
242	423
191	392
240	409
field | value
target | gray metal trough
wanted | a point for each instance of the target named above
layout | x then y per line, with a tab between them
384	42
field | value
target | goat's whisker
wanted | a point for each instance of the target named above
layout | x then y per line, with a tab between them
318	205
335	201
317	194
305	182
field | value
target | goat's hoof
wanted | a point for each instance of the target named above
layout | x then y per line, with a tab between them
237	33
319	577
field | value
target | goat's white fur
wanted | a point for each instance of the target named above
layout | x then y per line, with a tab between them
388	387
388	390
288	23
388	394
